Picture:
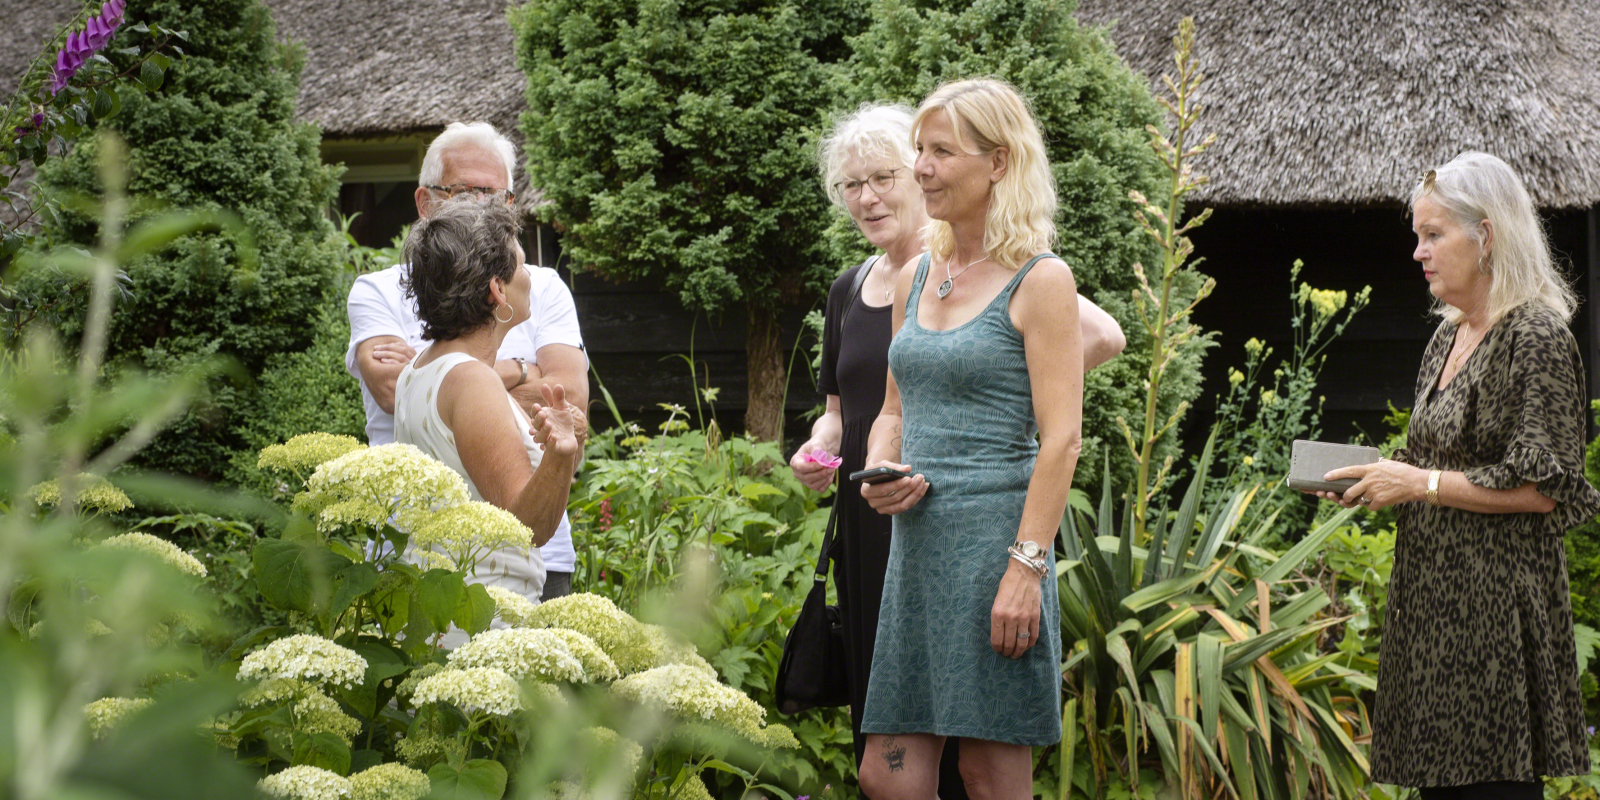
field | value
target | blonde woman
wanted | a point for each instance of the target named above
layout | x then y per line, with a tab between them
1478	681
987	351
867	164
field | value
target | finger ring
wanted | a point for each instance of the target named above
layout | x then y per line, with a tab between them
1365	500
1022	634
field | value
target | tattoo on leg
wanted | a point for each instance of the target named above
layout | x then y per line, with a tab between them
895	757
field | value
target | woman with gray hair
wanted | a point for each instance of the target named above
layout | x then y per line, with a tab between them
866	165
471	290
1477	677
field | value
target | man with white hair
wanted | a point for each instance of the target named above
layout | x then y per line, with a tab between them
385	334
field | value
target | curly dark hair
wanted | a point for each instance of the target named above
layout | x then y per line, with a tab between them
453	254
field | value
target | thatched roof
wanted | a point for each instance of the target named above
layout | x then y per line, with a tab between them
1315	102
1350	101
377	67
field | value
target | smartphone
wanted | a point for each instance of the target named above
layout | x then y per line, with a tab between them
878	475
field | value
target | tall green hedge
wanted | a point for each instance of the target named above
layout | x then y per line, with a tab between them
1093	110
220	134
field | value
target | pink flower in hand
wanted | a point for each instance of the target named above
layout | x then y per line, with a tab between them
824	458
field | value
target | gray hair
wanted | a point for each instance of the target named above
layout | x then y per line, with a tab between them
456	135
453	254
874	129
1475	187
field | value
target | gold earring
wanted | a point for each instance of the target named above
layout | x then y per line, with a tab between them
509	317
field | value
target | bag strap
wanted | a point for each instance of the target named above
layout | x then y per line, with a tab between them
855	288
825	558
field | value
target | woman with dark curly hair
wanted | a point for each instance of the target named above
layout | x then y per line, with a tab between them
471	290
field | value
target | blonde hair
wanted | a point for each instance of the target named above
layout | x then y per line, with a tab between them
1020	223
873	129
1475	187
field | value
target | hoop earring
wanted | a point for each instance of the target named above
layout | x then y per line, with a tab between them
509	317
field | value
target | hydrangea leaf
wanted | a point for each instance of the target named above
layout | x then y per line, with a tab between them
437	596
295	576
323	750
383	663
478	779
475	610
349	583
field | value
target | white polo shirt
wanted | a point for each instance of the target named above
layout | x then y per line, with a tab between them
378	307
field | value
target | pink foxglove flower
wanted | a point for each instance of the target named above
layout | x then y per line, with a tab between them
824	458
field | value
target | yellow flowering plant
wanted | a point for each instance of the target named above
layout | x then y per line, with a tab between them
1271	402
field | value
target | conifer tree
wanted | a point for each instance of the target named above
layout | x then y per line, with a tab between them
1093	110
219	134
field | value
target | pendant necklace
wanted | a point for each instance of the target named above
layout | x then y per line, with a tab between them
888	286
949	284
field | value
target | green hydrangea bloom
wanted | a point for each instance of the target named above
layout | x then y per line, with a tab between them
389	782
171	554
368	487
618	634
319	713
106	714
691	694
301	455
94	494
511	607
470	531
604	741
671	650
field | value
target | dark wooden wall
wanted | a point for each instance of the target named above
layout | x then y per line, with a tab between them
1250	250
635	332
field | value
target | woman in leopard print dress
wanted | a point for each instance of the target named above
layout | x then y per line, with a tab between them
1477	677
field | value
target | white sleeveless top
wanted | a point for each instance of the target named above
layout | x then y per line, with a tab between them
417	422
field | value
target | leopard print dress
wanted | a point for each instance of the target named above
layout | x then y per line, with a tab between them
1477	674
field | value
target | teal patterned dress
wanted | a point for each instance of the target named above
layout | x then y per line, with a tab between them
968	425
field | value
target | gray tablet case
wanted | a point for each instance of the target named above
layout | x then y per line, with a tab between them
1309	461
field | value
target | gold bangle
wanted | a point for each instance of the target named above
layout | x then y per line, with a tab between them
1433	487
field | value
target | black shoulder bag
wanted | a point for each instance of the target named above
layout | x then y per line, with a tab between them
812	673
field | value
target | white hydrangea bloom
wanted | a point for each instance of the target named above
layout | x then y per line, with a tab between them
523	653
319	713
687	692
408	687
306	783
105	714
619	635
511	607
389	782
472	689
470	531
597	666
367	487
173	555
304	657
306	452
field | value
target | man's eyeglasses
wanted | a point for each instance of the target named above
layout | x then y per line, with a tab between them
881	182
478	192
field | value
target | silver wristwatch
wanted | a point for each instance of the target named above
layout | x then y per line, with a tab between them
1031	554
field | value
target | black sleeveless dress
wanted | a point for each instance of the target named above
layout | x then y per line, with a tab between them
855	366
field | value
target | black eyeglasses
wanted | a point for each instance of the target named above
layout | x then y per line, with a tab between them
881	182
479	192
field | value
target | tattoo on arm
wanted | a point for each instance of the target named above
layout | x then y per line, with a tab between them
896	440
894	756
